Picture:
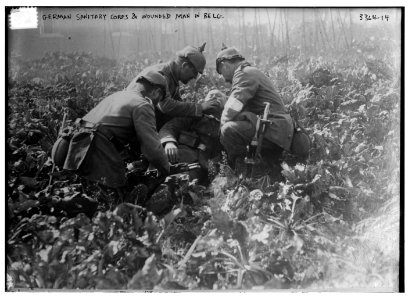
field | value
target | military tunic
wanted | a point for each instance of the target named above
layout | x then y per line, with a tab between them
172	105
130	118
250	90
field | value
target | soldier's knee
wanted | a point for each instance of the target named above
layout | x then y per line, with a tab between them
228	129
227	132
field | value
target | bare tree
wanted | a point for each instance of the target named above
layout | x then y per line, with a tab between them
287	31
324	31
281	31
333	29
304	32
343	29
256	35
272	33
350	27
244	31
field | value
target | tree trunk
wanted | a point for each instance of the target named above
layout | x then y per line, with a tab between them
272	34
211	37
315	33
161	41
104	39
227	37
244	32
183	33
319	30
351	27
343	30
281	30
287	32
256	38
152	40
333	30
324	32
304	32
111	40
261	35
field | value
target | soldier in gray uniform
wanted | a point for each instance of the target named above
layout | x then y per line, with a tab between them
188	63
123	118
250	90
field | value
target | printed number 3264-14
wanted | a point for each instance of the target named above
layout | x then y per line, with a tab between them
366	17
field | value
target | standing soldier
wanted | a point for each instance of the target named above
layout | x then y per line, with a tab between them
192	140
123	118
189	62
250	90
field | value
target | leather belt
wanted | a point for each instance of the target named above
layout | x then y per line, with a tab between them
86	124
93	126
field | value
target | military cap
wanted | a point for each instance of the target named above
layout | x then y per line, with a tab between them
195	56
227	54
154	77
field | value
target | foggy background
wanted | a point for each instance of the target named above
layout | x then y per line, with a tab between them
267	33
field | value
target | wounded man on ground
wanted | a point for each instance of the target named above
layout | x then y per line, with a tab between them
195	139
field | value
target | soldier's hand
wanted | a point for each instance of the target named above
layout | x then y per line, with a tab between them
210	107
172	152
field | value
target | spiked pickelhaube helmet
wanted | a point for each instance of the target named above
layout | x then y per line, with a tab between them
227	54
195	56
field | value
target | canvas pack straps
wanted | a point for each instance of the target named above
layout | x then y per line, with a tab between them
97	128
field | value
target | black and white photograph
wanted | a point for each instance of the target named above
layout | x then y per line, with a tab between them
198	148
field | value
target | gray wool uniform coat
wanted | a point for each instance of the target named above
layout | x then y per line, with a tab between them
130	118
172	105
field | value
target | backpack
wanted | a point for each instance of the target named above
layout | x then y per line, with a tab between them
301	140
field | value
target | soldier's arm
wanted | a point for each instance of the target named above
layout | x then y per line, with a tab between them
176	95
148	138
170	131
244	88
175	108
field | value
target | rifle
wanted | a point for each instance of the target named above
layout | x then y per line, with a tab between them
253	155
136	174
153	173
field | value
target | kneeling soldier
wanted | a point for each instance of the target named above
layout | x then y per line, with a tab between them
123	118
188	64
251	89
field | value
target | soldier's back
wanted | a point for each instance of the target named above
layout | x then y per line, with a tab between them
265	90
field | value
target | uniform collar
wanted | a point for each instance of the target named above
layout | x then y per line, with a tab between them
242	65
149	100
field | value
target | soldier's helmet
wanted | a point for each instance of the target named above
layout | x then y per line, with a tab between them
227	54
154	78
195	56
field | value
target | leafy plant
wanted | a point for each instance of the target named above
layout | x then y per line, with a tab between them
309	230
